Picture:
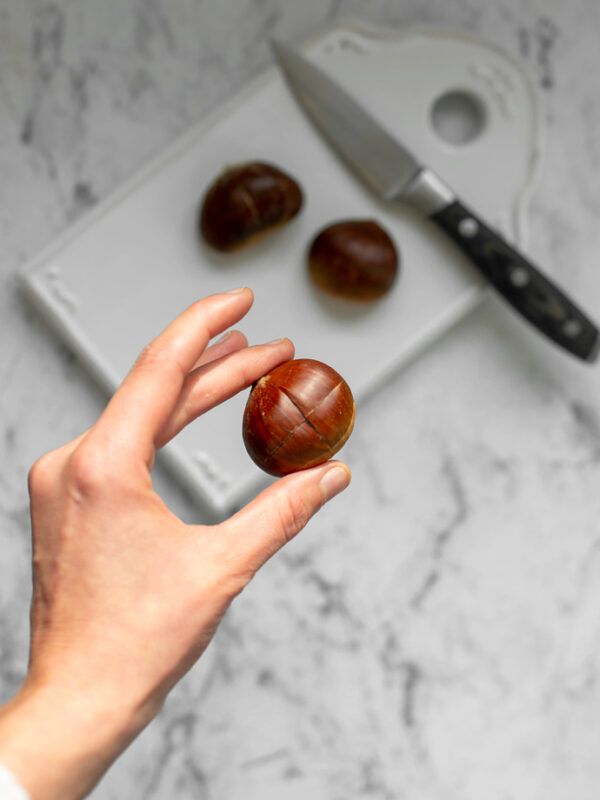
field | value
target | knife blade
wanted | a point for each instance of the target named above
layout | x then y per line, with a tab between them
394	174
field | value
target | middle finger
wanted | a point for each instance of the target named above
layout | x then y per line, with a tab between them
217	381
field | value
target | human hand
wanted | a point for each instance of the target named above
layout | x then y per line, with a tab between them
126	596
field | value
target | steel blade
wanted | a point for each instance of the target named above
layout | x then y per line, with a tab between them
380	160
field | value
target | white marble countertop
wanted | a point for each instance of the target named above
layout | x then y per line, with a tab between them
433	635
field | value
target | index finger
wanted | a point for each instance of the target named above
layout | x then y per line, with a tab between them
143	402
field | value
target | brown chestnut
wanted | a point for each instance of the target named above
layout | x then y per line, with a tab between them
354	259
297	416
246	201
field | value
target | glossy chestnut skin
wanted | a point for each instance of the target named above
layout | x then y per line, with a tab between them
246	201
354	259
297	416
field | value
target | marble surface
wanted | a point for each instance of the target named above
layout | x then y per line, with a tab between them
434	634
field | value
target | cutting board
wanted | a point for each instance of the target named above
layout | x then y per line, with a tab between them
109	285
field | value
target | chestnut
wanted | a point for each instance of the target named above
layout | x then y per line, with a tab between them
353	259
297	415
246	201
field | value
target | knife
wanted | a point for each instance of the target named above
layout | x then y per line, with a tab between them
394	174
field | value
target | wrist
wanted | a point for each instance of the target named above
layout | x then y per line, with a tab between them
59	743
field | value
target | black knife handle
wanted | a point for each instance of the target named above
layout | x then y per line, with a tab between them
535	297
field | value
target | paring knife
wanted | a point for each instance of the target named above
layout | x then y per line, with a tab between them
394	174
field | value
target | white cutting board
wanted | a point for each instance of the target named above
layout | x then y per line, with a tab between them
115	280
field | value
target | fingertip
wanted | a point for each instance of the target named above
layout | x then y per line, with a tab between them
335	479
230	342
233	304
241	290
283	344
234	339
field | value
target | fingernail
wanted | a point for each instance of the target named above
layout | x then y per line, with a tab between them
237	291
276	341
334	481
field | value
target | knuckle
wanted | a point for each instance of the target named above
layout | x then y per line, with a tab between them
235	571
88	470
233	566
150	356
157	356
236	581
41	474
293	514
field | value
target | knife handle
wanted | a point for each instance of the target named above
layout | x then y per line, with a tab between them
530	293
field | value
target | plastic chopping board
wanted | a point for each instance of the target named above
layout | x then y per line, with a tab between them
465	107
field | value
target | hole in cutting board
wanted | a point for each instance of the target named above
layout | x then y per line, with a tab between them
458	117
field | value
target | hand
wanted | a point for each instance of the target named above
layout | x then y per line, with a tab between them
126	596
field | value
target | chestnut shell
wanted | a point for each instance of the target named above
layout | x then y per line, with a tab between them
354	259
246	201
297	416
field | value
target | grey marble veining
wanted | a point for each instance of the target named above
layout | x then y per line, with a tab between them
434	635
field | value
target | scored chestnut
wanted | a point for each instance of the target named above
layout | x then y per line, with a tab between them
246	201
354	259
298	415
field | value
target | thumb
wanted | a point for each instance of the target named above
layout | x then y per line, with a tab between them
278	513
